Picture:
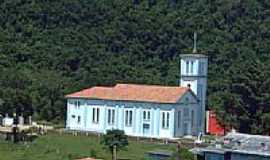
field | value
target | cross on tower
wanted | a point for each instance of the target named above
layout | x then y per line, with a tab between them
195	43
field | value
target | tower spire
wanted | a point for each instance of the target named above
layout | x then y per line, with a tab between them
195	43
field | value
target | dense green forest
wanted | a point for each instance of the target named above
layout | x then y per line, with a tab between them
50	48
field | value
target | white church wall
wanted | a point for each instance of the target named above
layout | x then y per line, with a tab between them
128	125
191	81
188	103
75	110
197	81
95	122
156	128
166	125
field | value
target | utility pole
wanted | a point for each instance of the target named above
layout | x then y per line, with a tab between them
195	43
15	128
114	152
178	155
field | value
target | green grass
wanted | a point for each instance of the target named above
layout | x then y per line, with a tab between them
66	147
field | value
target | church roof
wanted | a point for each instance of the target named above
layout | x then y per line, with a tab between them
133	92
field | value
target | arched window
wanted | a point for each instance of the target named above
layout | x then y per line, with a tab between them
95	115
128	118
191	68
187	67
165	120
111	116
146	115
192	119
179	119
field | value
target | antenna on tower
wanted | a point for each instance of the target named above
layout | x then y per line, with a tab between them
195	43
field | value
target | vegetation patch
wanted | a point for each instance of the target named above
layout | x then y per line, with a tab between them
68	147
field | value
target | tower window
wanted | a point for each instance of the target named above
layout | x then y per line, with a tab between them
187	67
202	70
191	69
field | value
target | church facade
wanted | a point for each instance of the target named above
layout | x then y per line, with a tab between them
144	110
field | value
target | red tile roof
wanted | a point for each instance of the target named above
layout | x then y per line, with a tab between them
133	92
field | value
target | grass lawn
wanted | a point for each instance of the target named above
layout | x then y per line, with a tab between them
66	147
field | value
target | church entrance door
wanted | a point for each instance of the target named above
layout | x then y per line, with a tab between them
186	129
146	129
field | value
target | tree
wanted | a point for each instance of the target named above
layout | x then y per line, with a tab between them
114	140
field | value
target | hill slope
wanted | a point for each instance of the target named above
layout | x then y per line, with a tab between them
50	48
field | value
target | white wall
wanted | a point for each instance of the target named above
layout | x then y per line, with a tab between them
136	129
191	105
74	112
197	78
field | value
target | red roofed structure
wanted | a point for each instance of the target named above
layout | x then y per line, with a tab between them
133	92
145	110
118	106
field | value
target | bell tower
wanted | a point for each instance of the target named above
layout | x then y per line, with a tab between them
193	74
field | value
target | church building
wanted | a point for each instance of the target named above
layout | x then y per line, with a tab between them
145	110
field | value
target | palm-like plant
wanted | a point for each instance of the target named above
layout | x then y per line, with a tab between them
114	140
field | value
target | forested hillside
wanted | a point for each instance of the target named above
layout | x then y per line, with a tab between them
49	48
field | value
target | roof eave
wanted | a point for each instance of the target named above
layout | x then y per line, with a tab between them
193	56
134	101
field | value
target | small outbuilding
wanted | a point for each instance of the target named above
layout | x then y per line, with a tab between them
236	146
159	155
7	121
